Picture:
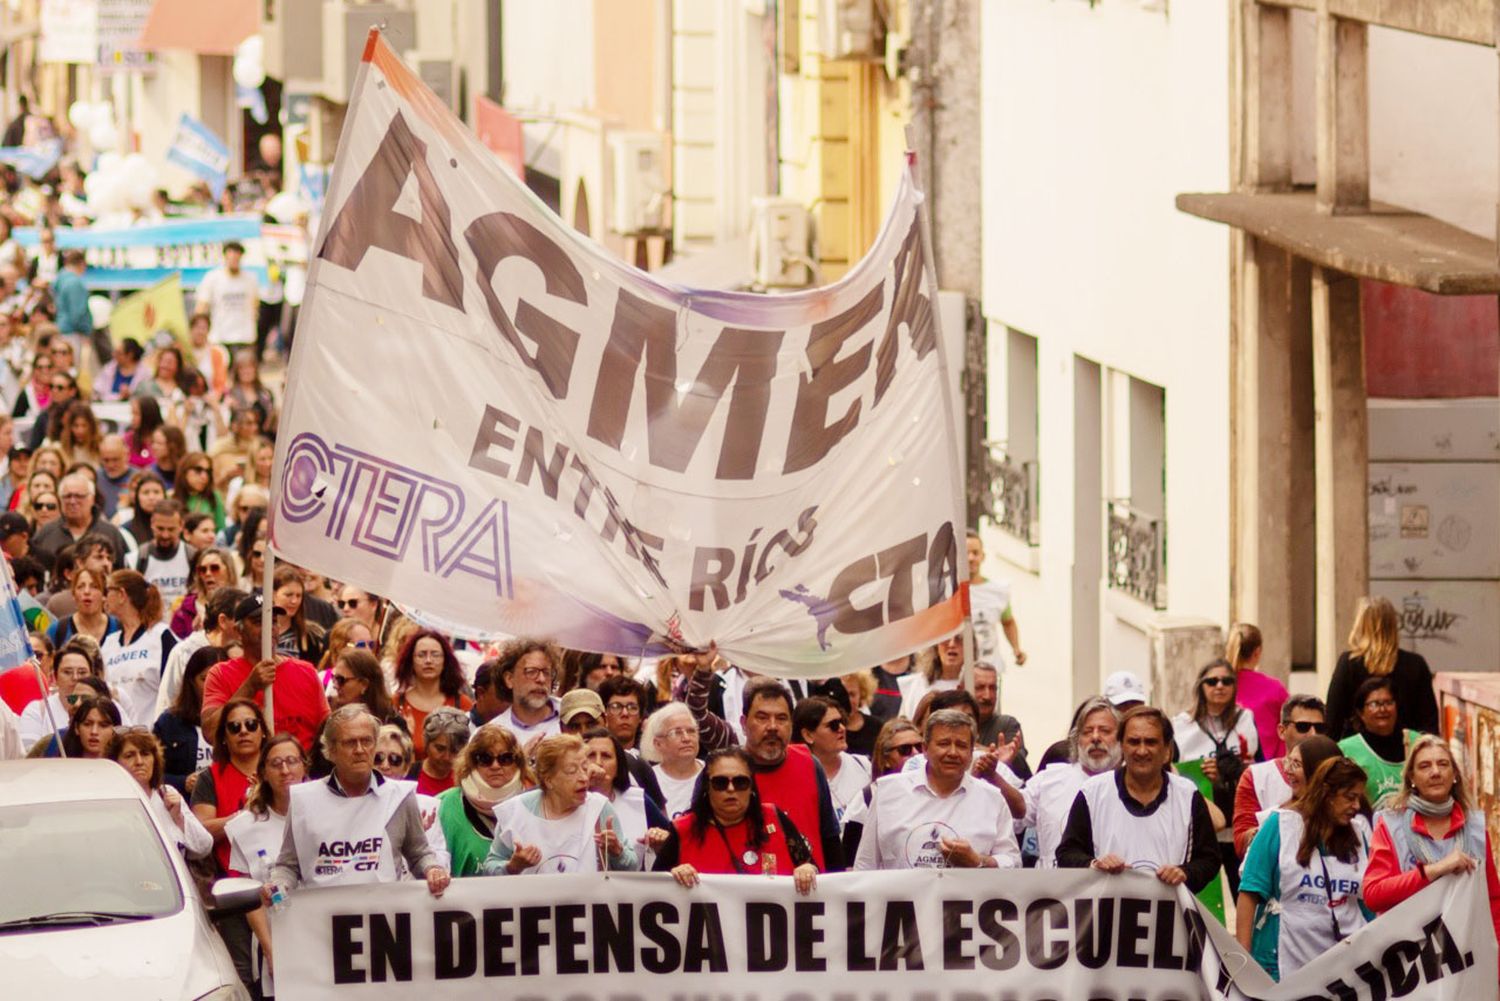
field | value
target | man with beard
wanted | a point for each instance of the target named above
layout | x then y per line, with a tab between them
1265	784
1094	749
1141	815
996	727
787	775
939	816
528	668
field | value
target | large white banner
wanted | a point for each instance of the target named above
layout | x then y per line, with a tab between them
1059	935
491	419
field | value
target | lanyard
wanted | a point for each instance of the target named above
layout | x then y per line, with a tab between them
1338	933
734	859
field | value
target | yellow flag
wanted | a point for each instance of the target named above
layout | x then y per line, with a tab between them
141	315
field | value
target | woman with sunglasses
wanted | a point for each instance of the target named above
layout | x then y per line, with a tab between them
180	728
819	723
255	835
898	742
195	488
561	826
70	665
346	634
222	787
139	754
208	570
491	769
1299	889
729	830
669	740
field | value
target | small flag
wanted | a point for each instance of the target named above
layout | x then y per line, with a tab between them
198	151
15	644
141	315
33	161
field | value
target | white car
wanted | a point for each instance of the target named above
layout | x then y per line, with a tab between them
94	898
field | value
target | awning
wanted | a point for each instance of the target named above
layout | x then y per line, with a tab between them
208	28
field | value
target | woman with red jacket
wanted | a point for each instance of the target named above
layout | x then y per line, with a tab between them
1430	830
729	830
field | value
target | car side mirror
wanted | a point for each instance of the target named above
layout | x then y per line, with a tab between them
234	896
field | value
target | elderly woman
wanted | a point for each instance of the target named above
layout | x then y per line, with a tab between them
393	752
491	769
139	754
1430	828
669	740
561	827
729	830
644	823
445	731
1287	914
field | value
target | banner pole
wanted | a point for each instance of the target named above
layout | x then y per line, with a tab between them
267	622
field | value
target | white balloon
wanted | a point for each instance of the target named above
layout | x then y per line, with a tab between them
108	163
81	115
99	310
103	136
249	63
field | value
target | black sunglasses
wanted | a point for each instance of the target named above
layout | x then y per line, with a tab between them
1219	682
394	760
248	726
348	603
907	750
485	759
1303	726
339	680
723	783
835	725
44	507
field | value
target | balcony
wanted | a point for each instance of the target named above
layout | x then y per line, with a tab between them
1008	494
1136	561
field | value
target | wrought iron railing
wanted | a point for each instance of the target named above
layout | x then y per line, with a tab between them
1008	494
1137	554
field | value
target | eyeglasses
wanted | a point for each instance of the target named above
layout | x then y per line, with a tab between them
210	568
836	725
677	733
535	673
283	764
340	680
60	387
429	655
75	496
624	708
235	727
348	604
393	760
364	645
484	759
907	750
1219	682
1303	726
44	507
723	783
1380	704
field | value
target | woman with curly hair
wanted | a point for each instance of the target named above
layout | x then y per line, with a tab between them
427	677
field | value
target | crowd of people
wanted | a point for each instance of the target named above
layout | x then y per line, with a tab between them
395	751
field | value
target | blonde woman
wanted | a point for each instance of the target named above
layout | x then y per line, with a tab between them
1374	652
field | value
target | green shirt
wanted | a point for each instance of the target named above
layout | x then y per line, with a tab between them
466	846
1384	776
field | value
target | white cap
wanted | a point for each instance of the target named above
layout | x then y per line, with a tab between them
1123	686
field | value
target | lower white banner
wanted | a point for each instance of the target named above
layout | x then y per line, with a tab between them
1059	935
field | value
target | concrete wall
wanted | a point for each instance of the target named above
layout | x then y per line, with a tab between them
1092	120
549	55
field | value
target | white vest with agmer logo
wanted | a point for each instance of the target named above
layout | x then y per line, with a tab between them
342	840
1143	842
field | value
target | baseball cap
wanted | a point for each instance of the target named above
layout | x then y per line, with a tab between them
1122	687
19	449
250	607
13	523
581	700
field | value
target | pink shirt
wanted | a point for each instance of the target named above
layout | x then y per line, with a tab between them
1263	695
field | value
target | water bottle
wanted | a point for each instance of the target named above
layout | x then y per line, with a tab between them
278	895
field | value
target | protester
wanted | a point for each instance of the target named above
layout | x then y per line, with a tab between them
991	611
298	700
1309	860
588	670
528	668
787	775
135	655
623	699
860	726
1223	737
1141	815
219	630
1267	785
357	677
1095	749
580	710
220	790
995	727
91	725
1260	693
140	755
939	669
427	677
818	723
78	519
491	769
167	562
1374	652
641	819
669	742
255	835
353	805
561	826
195	488
445	731
180	727
1377	745
940	816
489	700
298	636
346	634
748	835
1430	828
73	662
394	756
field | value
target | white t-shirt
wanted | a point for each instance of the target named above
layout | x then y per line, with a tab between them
1193	741
231	302
1049	799
678	792
34	724
849	784
988	602
906	821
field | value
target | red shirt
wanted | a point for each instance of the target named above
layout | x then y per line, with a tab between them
1386	885
793	786
299	703
726	855
231	786
429	786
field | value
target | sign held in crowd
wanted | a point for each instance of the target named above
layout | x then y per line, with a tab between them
1028	935
491	419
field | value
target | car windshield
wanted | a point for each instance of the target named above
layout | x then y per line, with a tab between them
98	856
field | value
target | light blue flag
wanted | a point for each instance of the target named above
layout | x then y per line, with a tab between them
198	151
33	161
15	643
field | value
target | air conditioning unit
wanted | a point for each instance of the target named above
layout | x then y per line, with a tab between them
637	165
779	233
850	29
346	26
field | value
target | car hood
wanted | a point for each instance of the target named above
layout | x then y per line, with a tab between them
177	956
